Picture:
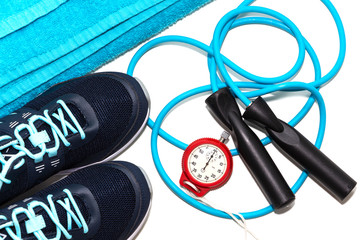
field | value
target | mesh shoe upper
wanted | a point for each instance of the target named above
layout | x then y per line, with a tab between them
113	199
110	108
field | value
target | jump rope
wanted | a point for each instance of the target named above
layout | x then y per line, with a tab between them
256	87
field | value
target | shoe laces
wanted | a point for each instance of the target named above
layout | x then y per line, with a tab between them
36	223
38	139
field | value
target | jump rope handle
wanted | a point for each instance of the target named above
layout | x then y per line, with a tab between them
303	153
225	110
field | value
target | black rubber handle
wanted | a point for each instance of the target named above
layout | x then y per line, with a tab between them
224	108
305	155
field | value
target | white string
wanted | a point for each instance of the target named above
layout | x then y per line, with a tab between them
241	222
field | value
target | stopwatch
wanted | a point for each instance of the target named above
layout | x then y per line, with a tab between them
207	164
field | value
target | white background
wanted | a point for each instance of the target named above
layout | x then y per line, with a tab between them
170	70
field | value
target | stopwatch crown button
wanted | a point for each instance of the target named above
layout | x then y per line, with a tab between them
224	138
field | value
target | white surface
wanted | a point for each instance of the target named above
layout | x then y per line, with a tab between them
170	70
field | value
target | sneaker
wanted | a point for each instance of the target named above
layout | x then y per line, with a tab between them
104	201
74	124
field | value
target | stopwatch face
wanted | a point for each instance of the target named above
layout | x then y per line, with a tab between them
207	163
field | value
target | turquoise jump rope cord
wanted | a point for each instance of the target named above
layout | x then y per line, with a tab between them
259	85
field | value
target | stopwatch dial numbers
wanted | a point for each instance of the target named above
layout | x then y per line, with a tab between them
207	163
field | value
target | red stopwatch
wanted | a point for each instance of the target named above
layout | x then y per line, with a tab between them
207	164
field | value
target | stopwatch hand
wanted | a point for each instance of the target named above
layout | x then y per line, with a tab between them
208	161
225	110
304	154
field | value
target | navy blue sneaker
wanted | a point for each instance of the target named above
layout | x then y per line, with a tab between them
74	124
104	201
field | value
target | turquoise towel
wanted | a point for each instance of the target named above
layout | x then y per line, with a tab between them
69	38
14	16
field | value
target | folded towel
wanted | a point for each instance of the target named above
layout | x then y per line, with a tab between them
16	16
74	37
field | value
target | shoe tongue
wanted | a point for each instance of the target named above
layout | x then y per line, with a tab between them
75	111
77	114
50	229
